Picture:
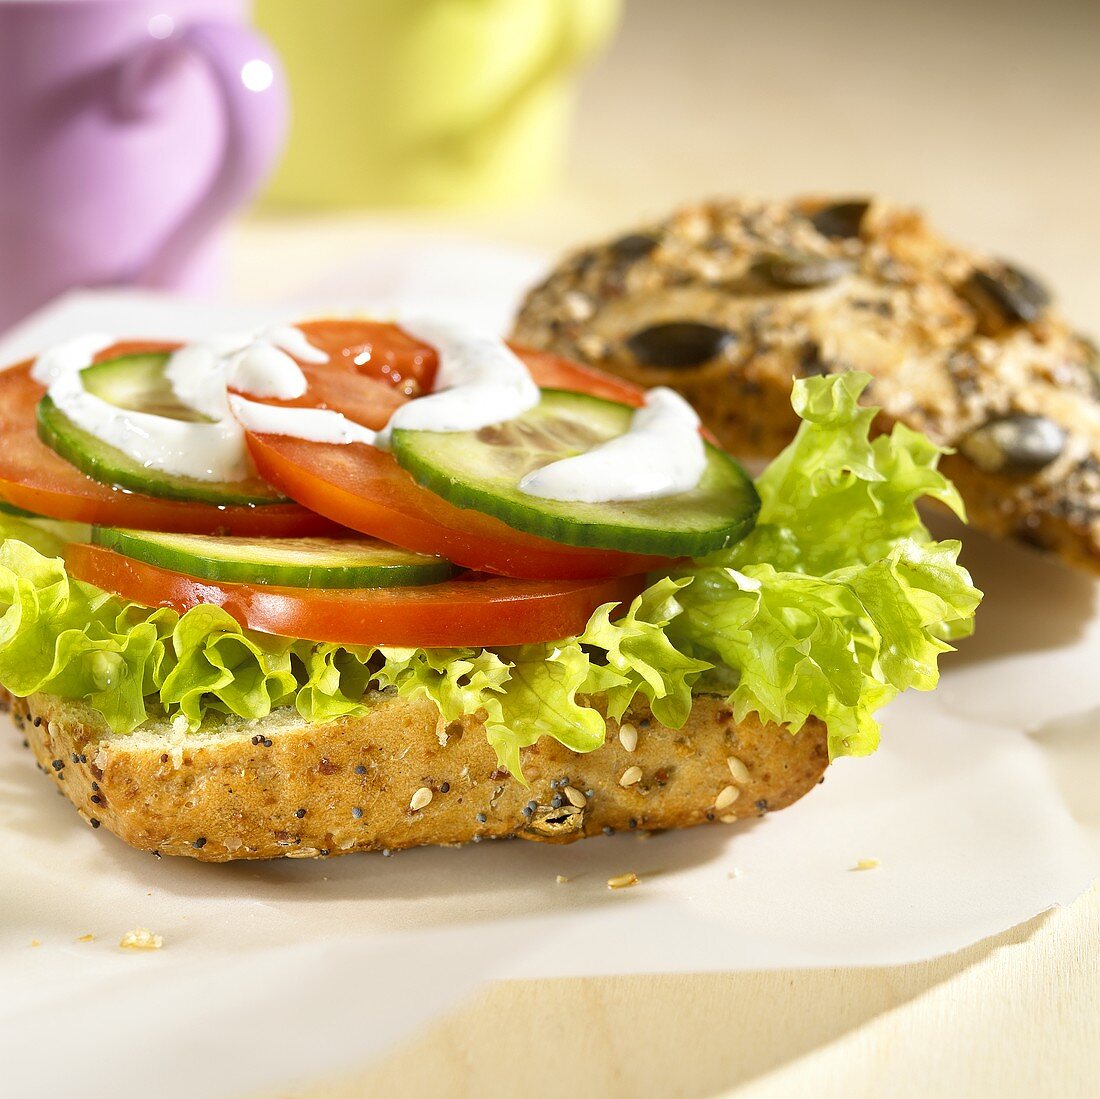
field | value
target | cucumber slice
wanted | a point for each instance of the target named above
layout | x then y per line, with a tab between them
482	470
285	562
137	383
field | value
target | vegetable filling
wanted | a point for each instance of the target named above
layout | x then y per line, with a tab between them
835	602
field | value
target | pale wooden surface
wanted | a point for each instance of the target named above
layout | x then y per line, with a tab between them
1019	1015
985	114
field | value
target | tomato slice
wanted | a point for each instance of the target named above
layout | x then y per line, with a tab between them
473	611
33	477
364	488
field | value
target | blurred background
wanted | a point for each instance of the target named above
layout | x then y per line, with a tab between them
985	112
531	123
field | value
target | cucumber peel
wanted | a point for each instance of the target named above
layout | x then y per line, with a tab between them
281	562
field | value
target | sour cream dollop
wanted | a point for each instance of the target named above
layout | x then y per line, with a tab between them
660	454
196	372
265	370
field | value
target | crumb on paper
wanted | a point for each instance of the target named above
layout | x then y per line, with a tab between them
622	881
36	942
736	872
561	879
85	938
867	864
141	938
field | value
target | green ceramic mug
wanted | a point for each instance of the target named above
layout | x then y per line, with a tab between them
428	101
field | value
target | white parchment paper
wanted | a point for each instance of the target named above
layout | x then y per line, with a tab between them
980	808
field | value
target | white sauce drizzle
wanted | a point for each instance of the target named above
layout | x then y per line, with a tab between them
292	340
198	371
316	425
198	374
480	381
264	370
207	452
69	356
661	454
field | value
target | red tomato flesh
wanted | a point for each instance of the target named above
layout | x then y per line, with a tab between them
473	611
372	349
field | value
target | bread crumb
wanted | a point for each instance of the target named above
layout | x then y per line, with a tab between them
141	938
85	938
35	942
561	879
736	872
623	881
867	864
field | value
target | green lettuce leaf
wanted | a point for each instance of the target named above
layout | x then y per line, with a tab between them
641	658
835	497
539	698
837	600
220	667
458	681
333	680
62	637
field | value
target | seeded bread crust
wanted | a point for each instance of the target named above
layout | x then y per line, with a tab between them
963	347
282	788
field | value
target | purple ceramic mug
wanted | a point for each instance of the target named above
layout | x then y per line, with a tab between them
129	130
